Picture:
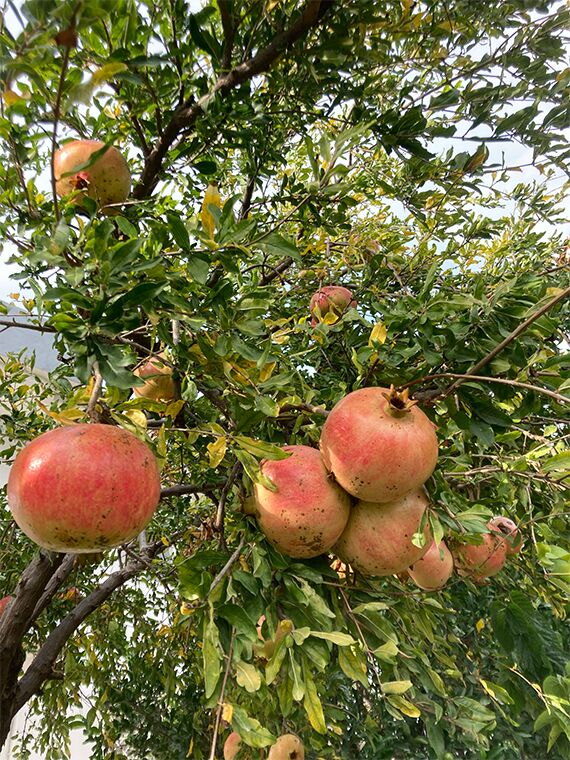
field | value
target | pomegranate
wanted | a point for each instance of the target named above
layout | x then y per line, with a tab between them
232	746
159	385
107	180
308	511
83	488
378	537
287	747
510	531
378	444
329	304
4	602
480	561
434	569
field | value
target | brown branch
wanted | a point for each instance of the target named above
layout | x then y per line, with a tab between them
484	378
509	339
227	567
60	576
43	663
183	489
220	513
27	326
277	270
92	412
185	117
225	7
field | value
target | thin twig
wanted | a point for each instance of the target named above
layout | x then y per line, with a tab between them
92	412
221	699
227	567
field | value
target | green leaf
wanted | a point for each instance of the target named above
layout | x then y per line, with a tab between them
212	660
352	661
396	687
557	463
312	704
340	639
250	729
248	676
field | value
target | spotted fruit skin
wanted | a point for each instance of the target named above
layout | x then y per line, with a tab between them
83	488
509	529
375	454
480	561
107	181
159	385
287	747
329	304
434	569
308	512
378	537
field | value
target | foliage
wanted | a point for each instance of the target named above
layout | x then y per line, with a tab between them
372	151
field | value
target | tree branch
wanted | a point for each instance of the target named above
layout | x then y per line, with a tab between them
186	116
225	7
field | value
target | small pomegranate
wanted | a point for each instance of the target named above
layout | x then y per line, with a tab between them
287	747
378	537
159	385
434	569
510	531
480	561
378	444
107	180
83	488
329	304
308	512
232	746
4	602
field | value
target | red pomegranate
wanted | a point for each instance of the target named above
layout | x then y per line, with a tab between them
107	180
83	488
378	537
4	602
480	561
510	531
434	569
159	385
232	746
329	304
378	444
308	511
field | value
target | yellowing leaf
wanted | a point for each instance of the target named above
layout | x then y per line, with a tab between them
138	417
107	72
217	451
10	97
267	371
248	676
404	706
479	625
227	712
211	198
396	687
65	417
185	609
377	335
313	706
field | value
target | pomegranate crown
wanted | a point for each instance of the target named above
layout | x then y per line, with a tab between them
399	402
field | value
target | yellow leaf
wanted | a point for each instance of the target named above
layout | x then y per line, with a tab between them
138	417
267	371
10	97
404	706
377	335
190	752
217	451
107	72
396	687
65	417
211	198
479	625
185	609
227	712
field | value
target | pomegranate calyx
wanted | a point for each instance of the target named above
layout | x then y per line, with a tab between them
399	402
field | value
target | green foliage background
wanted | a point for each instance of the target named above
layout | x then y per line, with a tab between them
374	153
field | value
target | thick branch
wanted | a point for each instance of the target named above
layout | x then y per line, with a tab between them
43	663
225	7
185	117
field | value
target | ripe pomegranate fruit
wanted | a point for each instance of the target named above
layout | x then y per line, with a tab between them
308	511
107	180
510	531
4	602
480	561
378	537
232	746
329	304
434	569
159	385
378	444
83	488
287	747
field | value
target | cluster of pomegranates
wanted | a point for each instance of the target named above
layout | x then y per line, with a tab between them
362	497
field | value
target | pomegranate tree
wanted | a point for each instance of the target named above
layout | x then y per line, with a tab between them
107	180
434	569
378	444
308	511
510	531
480	561
378	537
83	488
329	304
159	385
